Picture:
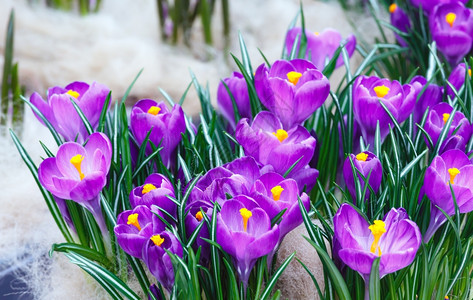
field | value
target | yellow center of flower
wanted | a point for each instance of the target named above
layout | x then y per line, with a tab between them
377	229
73	93
392	8
450	18
293	77
381	90
276	191
76	162
245	214
199	216
154	110
133	220
157	240
453	173
445	118
361	156
147	188
469	72
316	33
281	134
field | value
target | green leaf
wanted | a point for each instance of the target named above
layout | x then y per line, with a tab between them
270	285
374	284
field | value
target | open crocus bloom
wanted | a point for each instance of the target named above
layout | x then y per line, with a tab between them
396	240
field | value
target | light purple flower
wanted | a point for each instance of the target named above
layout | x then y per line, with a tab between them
166	126
321	46
396	240
450	168
292	90
451	26
239	90
367	164
62	115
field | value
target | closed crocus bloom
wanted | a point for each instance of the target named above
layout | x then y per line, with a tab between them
62	115
244	231
395	239
436	121
400	20
239	90
267	142
451	26
431	95
135	227
429	5
158	260
450	168
321	46
79	172
292	90
166	126
368	91
155	191
367	164
457	79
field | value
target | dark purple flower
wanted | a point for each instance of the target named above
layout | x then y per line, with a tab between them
239	90
79	172
400	20
450	168
155	191
135	227
436	120
62	115
396	240
321	46
166	126
193	219
431	95
367	164
292	90
244	232
368	91
457	79
451	26
429	5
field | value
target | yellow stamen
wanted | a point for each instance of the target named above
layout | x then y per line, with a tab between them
76	161
245	214
445	118
361	156
316	33
73	93
381	90
147	188
154	110
276	191
133	220
281	134
469	72
157	240
392	8
377	229
453	173
450	18
293	77
199	216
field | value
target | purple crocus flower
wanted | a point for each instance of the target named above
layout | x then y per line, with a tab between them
244	231
367	164
155	191
452	168
436	120
292	90
79	172
135	227
158	260
432	95
457	79
193	219
321	46
239	90
62	115
270	144
400	20
166	126
451	25
429	5
368	91
396	240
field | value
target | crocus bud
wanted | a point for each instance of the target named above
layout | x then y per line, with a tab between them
239	90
